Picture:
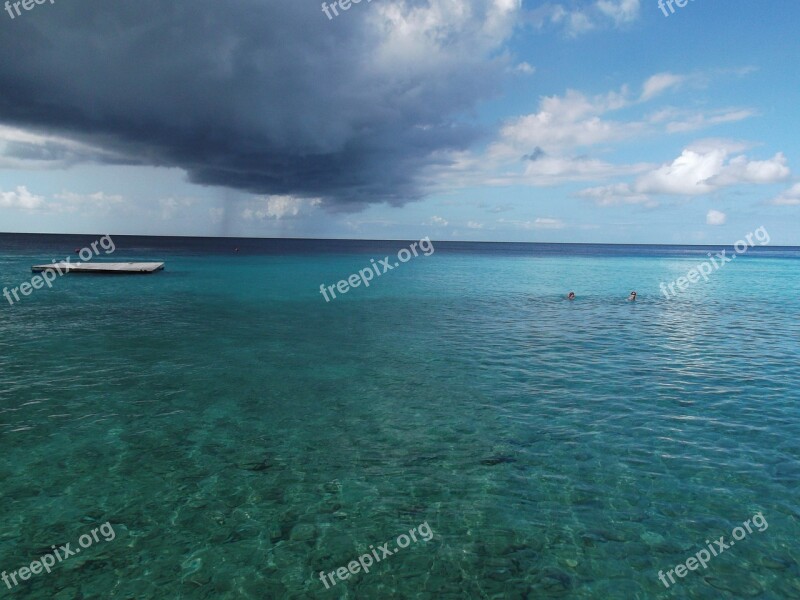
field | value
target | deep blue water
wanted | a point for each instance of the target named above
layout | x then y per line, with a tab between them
242	435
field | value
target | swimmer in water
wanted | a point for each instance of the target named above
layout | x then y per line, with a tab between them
571	296
632	297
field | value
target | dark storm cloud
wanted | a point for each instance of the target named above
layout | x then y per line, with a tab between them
61	153
268	97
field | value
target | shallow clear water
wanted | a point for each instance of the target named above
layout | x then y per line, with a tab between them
241	435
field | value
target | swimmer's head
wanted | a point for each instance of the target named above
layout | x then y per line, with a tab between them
571	296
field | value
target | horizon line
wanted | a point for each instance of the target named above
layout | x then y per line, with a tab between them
312	239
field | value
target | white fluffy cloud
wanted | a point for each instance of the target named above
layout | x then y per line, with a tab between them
437	222
21	199
698	170
65	202
790	197
742	170
551	170
687	175
569	138
659	83
694	121
524	68
426	36
275	207
553	141
569	121
620	193
715	217
547	223
621	11
95	202
577	21
170	207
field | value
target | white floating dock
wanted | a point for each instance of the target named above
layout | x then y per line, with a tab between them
120	268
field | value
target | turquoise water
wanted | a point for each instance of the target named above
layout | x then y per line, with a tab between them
242	435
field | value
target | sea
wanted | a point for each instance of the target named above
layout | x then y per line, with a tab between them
243	437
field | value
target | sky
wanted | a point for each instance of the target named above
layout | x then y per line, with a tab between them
596	121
